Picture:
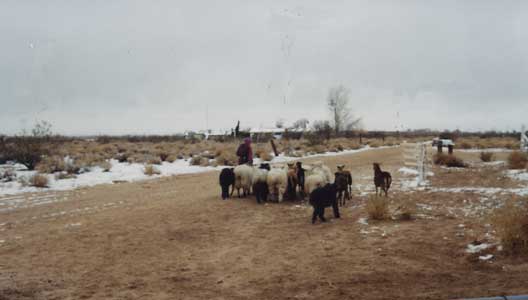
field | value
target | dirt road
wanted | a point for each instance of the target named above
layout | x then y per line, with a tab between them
173	238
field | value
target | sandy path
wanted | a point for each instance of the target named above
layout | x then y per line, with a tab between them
174	238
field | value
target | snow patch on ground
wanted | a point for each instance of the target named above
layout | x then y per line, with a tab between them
127	172
518	174
477	248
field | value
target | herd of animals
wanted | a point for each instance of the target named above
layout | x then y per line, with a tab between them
297	180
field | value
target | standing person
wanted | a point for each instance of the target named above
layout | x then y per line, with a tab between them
245	153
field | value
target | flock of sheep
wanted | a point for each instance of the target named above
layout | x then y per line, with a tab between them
290	181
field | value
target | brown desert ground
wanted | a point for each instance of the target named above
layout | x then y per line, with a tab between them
174	238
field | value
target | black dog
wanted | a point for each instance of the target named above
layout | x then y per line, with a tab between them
227	178
324	197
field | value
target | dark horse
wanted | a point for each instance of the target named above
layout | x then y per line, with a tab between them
382	179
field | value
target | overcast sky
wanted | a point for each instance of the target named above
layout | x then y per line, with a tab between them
124	66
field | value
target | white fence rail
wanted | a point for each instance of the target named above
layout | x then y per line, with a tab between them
416	156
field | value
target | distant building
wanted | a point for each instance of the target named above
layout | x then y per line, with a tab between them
263	134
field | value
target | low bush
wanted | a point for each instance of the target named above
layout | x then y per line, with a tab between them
517	160
7	176
38	180
51	164
448	160
406	209
511	224
377	208
151	170
226	158
486	156
106	166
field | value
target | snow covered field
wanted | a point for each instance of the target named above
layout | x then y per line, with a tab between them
128	172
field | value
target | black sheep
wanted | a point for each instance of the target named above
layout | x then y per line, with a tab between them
227	178
321	198
261	191
300	177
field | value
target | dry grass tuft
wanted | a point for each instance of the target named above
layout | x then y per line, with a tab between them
38	180
51	164
226	157
377	208
263	154
106	166
64	175
486	156
511	224
151	170
447	160
517	160
406	209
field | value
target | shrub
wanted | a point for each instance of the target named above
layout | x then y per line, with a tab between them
106	166
64	175
263	155
153	160
447	160
38	180
465	145
29	149
511	224
7	176
377	208
227	158
51	164
406	210
151	170
196	160
517	160
486	156
171	158
163	156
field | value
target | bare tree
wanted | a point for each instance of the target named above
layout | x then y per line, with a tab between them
338	106
301	124
280	123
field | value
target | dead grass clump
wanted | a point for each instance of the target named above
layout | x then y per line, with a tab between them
226	158
517	160
486	156
106	166
151	170
447	160
377	208
511	224
319	149
263	154
38	180
154	160
51	164
171	158
406	210
197	160
64	175
8	176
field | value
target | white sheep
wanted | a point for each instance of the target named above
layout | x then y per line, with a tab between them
259	175
243	179
317	175
320	168
278	182
313	181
